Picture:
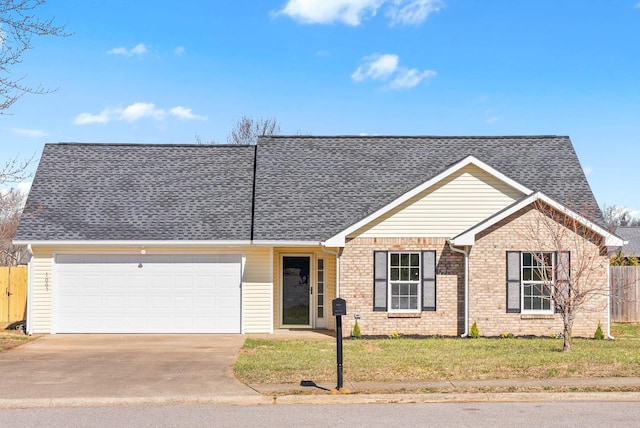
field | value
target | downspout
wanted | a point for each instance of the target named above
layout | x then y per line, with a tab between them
29	326
609	336
466	287
337	254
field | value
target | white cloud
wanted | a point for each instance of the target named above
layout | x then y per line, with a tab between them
185	113
492	119
409	78
637	5
86	118
139	49
135	112
387	67
179	50
376	67
31	133
588	170
353	12
350	12
412	12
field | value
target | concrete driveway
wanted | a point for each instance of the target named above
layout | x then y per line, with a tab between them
123	366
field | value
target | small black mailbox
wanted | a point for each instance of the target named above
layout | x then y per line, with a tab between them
339	307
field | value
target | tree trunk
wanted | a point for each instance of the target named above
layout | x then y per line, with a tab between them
566	347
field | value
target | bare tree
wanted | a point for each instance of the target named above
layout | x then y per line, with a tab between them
12	201
616	215
11	206
247	130
18	24
569	258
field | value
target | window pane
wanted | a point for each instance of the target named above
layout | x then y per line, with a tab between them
395	258
404	259
413	302
404	274
320	276
320	288
413	289
526	274
320	264
320	300
526	259
395	303
404	289
395	274
415	259
320	312
527	303
395	289
404	302
546	304
415	274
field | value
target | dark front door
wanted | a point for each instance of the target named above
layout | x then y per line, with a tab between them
296	294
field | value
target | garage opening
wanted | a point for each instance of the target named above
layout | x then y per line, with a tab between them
145	293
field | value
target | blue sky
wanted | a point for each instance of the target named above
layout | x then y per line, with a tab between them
165	72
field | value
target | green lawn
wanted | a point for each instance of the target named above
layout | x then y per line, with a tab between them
430	359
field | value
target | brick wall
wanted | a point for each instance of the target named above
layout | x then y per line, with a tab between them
356	287
487	285
487	279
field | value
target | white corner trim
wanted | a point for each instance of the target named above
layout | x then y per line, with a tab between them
338	240
469	237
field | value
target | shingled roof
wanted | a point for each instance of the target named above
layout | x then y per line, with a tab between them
311	188
306	188
632	235
140	192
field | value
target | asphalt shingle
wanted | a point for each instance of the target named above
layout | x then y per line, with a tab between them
311	188
632	235
140	192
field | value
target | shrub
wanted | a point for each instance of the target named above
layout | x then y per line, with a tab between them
598	335
394	335
356	333
475	332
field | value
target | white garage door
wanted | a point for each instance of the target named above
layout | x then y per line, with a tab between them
147	294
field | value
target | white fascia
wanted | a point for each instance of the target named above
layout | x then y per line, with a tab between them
339	239
469	236
283	243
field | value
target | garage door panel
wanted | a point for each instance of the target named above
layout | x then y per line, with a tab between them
168	294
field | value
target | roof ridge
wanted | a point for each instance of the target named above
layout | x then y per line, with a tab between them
492	137
65	143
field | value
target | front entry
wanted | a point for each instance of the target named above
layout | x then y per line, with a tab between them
296	291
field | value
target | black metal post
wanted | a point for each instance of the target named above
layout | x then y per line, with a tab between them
339	344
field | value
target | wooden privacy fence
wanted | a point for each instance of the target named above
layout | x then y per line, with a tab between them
625	293
13	293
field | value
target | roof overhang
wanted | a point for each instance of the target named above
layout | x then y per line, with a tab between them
468	237
339	239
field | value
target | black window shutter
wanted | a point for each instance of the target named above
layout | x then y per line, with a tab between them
428	280
563	272
380	280
513	281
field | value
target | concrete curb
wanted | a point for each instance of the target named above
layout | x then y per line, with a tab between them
322	399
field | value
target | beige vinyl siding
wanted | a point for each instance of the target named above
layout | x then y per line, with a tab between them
42	283
257	306
257	301
451	206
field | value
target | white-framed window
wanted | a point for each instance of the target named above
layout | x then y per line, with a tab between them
404	282
537	277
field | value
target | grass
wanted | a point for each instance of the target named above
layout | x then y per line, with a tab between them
431	359
10	339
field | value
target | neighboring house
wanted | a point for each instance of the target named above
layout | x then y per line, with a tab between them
420	235
631	234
